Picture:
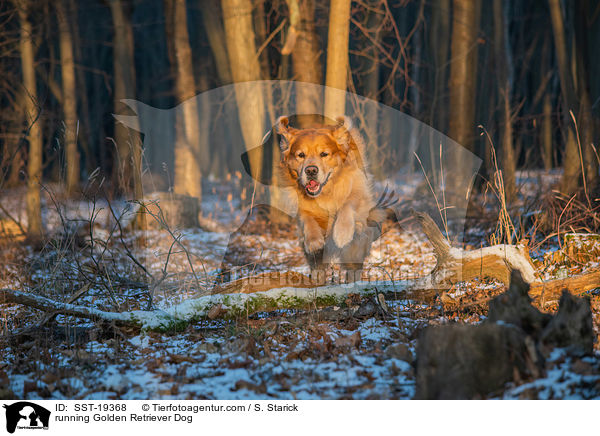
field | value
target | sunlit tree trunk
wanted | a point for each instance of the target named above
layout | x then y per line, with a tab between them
306	61
260	29
503	56
211	19
69	97
571	161
188	173
213	25
337	57
462	83
32	109
241	50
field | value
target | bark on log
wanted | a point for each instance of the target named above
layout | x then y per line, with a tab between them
551	290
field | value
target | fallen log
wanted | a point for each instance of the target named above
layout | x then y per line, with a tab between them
456	265
551	290
226	306
496	262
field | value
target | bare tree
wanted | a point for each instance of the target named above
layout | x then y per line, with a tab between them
188	173
582	68
69	99
337	57
440	46
127	141
462	80
579	107
211	19
34	161
547	149
12	153
241	49
306	58
546	133
502	56
462	85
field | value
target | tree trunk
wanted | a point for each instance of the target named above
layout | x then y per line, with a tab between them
462	80
13	152
306	61
337	58
547	149
260	29
370	69
571	162
462	83
213	25
241	49
188	173
68	96
34	161
127	141
502	56
585	119
12	147
84	137
440	38
216	39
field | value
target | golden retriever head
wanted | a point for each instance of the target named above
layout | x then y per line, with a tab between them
314	156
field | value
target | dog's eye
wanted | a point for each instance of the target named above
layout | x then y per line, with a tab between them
324	154
301	155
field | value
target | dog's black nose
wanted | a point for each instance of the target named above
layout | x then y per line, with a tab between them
311	170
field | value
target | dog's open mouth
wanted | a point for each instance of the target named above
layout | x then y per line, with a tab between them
313	188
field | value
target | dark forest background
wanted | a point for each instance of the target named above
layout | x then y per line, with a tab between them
524	70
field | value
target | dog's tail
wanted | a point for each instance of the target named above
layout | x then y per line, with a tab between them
382	210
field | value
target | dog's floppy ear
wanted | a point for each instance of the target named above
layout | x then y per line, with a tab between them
341	133
283	130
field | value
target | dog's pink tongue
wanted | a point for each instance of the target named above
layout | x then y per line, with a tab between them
312	185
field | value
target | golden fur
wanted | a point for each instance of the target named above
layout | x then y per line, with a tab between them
326	166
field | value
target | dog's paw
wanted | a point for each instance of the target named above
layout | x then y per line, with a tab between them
343	230
314	243
359	227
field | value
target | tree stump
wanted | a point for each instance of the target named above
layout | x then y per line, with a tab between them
172	210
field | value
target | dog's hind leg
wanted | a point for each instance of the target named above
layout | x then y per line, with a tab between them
317	266
352	256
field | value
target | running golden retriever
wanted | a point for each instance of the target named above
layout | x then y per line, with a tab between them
326	165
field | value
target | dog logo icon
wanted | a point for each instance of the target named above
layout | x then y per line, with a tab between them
26	415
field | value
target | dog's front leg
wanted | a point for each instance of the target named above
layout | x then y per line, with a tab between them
314	240
343	229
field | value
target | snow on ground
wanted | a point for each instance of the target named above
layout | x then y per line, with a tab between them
568	378
199	365
286	354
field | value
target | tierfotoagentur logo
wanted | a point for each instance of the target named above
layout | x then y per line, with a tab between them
26	416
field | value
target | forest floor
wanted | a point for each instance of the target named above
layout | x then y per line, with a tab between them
285	354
